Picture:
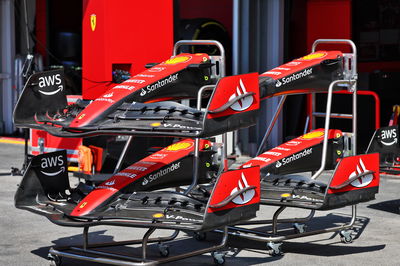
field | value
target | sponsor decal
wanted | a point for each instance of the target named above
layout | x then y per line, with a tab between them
125	87
281	68
389	134
246	196
81	116
137	81
106	187
158	156
169	125
294	77
313	56
293	63
259	158
179	146
295	157
130	175
361	181
282	148
304	197
276	73
138	168
83	205
156	69
50	162
159	84
104	100
286	195
293	143
313	135
144	75
247	165
109	95
278	164
243	103
110	183
273	153
161	173
148	163
177	60
52	80
93	21
158	215
181	218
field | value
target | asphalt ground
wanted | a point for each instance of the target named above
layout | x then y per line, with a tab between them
25	238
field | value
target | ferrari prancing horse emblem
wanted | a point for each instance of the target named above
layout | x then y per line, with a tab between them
93	21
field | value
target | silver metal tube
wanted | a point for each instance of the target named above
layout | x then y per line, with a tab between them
275	219
326	128
144	242
334	115
354	139
123	155
271	124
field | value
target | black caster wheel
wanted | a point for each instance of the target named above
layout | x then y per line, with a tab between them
164	250
274	249
299	228
346	237
54	260
200	236
219	258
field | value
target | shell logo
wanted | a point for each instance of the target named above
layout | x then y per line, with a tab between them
157	124
81	116
158	215
179	146
83	205
313	135
313	56
177	60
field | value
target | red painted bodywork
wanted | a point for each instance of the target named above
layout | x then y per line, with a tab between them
236	179
291	147
134	172
355	165
301	63
136	83
231	87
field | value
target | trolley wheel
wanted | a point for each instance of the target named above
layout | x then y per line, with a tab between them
200	236
54	260
274	249
163	249
219	258
299	228
346	237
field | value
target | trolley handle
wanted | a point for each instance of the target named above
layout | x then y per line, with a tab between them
335	41
199	42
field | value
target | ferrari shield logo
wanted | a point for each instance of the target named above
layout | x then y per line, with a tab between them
93	21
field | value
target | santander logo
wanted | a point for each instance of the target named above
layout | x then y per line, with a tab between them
245	196
243	103
364	180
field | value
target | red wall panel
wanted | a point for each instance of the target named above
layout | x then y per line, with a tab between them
131	33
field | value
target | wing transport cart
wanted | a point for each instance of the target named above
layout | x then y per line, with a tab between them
355	177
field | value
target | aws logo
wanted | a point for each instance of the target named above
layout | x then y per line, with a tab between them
246	196
47	81
390	134
362	181
244	103
50	162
